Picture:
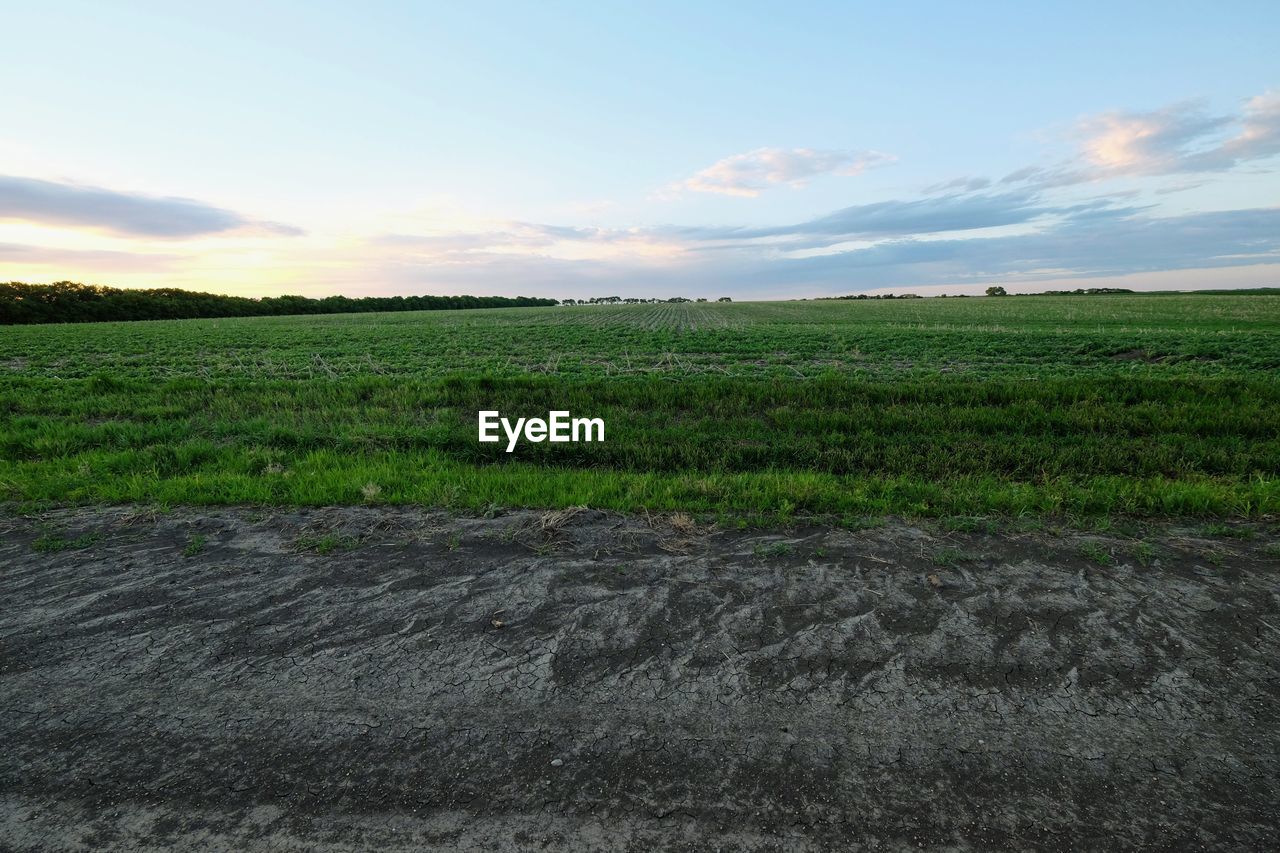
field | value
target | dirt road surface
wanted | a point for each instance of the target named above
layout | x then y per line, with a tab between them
393	679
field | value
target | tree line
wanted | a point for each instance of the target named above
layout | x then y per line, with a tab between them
69	302
635	300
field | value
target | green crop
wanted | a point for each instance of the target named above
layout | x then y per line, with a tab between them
1148	405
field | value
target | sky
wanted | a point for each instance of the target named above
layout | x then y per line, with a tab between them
751	150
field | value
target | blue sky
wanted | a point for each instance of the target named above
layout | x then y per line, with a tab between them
574	149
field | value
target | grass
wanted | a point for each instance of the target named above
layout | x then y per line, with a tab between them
1227	531
1095	553
1144	552
954	408
772	550
54	542
951	557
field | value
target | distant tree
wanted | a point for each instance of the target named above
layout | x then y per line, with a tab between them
997	290
68	302
702	299
724	299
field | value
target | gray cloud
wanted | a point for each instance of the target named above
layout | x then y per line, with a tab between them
1258	137
961	185
894	218
1091	243
131	214
1083	241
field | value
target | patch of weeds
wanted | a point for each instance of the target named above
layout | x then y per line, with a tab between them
195	545
861	522
1271	549
1028	524
105	383
1122	527
1095	553
371	491
773	549
1226	531
1143	552
683	523
970	524
454	540
145	515
1213	556
947	557
52	542
819	552
325	543
1114	525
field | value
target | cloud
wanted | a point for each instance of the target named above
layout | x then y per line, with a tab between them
124	213
961	185
1093	239
897	217
924	216
867	222
100	259
1258	137
750	173
1181	138
1155	142
1089	244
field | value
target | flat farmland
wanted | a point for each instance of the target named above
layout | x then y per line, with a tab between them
1090	405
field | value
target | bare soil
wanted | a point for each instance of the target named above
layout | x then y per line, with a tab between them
394	679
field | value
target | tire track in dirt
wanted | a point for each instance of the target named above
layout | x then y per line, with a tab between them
596	682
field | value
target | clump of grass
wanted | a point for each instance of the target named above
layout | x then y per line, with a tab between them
682	522
970	524
773	549
53	542
1143	552
862	522
948	557
195	545
371	492
1228	531
1213	556
1095	553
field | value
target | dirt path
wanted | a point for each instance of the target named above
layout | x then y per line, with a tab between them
596	683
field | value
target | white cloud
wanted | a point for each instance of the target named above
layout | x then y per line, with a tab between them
750	173
1180	138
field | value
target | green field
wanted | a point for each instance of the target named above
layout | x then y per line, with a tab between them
1144	405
